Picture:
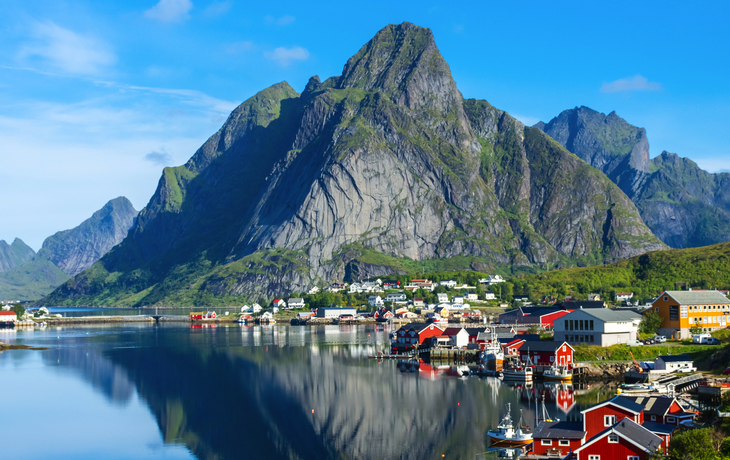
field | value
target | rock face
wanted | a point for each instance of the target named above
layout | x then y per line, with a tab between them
15	254
75	250
385	163
682	204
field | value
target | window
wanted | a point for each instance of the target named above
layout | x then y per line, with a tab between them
563	347
666	298
580	324
609	420
594	457
656	309
653	418
571	324
612	438
683	311
691	321
671	420
673	312
591	338
632	457
563	442
552	359
546	442
591	323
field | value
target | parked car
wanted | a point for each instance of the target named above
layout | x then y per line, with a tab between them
710	341
659	339
648	341
634	343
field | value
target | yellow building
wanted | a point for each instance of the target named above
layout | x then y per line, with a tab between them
682	310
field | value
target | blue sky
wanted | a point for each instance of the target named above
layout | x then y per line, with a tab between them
96	97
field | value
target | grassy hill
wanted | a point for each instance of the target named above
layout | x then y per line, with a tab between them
646	275
31	281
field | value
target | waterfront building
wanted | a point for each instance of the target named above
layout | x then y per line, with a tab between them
332	312
682	310
413	334
458	335
598	326
8	316
662	410
557	438
674	363
540	316
510	345
546	353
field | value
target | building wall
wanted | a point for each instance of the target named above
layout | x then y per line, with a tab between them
335	312
539	449
593	420
612	451
709	317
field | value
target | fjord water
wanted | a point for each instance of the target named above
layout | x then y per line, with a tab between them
229	392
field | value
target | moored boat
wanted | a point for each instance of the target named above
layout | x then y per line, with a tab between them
558	373
506	435
518	373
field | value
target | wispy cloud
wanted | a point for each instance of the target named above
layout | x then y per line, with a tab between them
284	56
635	83
218	8
67	51
160	157
170	11
188	96
526	119
282	21
239	47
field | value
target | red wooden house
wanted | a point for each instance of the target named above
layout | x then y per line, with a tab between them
662	409
203	315
412	335
557	438
511	345
625	439
546	353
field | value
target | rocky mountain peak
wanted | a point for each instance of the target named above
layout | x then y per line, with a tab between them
15	254
404	62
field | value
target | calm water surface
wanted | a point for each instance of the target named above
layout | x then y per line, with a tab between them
171	391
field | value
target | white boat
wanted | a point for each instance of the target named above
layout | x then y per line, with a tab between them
558	373
492	355
435	318
518	372
506	435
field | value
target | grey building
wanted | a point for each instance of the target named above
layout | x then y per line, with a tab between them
598	326
330	312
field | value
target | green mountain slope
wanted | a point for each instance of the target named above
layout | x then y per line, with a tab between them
646	275
682	204
383	167
15	254
31	281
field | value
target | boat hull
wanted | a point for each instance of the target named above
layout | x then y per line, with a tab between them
557	378
497	441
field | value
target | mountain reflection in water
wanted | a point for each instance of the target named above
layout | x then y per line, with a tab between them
250	394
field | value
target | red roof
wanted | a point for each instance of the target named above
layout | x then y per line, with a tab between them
7	313
277	300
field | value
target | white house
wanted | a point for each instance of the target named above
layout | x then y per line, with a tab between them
313	291
418	302
278	303
451	284
457	300
255	308
400	297
624	296
443	298
493	279
673	363
458	335
296	302
471	296
598	326
8	316
375	301
489	295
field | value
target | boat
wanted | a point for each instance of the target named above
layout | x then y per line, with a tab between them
506	435
492	355
435	318
558	373
518	373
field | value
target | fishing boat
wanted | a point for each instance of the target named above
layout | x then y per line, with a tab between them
518	373
558	373
492	355
435	318
506	435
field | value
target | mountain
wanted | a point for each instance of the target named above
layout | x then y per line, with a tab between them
682	204
384	165
75	250
65	253
15	254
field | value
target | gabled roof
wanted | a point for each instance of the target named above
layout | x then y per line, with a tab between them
659	428
608	315
674	358
452	330
544	346
475	330
576	304
642	438
419	327
698	297
296	300
7	312
506	340
653	405
559	430
620	401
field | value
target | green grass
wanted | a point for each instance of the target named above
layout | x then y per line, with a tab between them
644	352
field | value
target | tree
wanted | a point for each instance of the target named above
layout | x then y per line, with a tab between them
700	444
695	330
19	310
650	323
